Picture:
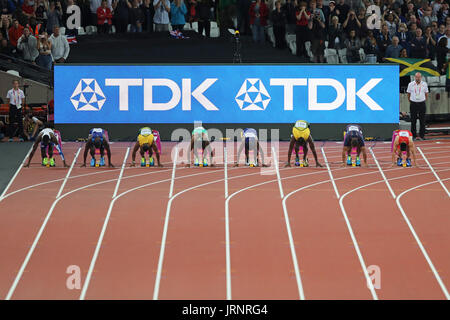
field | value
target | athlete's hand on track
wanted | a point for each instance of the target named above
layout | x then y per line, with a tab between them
287	165
343	164
236	165
132	164
160	165
27	165
83	165
111	165
318	164
65	165
212	165
187	165
264	165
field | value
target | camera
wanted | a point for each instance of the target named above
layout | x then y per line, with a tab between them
373	11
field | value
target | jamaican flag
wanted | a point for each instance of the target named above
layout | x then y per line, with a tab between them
409	67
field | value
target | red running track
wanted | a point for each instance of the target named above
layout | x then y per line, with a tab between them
312	233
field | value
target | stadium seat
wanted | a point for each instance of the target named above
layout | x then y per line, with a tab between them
308	50
129	28
443	80
62	30
271	35
81	31
113	29
371	58
331	56
91	29
343	55
362	55
433	81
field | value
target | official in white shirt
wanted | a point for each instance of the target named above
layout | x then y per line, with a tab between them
16	98
417	95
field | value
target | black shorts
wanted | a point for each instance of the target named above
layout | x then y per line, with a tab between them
349	136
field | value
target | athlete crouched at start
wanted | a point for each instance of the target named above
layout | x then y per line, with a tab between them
249	143
301	136
97	140
403	142
47	139
145	143
200	138
353	138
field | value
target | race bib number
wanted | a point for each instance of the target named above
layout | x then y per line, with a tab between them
353	128
146	132
97	130
301	124
403	134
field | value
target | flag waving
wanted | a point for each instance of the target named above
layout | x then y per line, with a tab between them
409	66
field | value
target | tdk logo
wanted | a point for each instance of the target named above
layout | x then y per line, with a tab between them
88	96
252	95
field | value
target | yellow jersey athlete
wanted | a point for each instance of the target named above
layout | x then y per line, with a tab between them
145	142
301	136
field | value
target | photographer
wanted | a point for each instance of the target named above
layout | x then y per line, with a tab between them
317	28
28	45
302	31
45	52
351	23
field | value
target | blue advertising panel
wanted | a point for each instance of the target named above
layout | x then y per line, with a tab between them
227	93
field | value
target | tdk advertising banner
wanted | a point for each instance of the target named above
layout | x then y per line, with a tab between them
227	94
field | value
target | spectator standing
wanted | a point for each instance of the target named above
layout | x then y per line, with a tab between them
417	95
28	45
384	39
317	27
335	33
243	7
15	32
441	32
342	10
104	18
29	8
60	46
149	11
41	12
5	48
351	23
353	45
393	50
363	20
403	36
325	10
54	15
279	25
177	11
418	46
391	21
333	11
301	30
16	98
441	55
316	11
6	24
371	48
136	17
44	47
161	18
258	20
121	15
204	8
289	8
431	43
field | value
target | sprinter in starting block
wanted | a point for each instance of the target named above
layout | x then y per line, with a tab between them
200	139
146	142
47	139
403	142
353	138
249	143
97	140
301	136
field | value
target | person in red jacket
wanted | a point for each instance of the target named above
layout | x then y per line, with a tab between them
258	19
15	32
104	17
302	31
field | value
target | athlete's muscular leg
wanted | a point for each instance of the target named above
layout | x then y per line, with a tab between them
92	151
305	151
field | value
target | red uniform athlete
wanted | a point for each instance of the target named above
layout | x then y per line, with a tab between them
404	143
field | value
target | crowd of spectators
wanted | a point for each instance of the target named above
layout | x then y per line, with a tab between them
383	29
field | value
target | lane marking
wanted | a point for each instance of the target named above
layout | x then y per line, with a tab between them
174	167
330	173
68	174
15	174
382	174
225	170
39	234
434	172
275	159
411	228
121	172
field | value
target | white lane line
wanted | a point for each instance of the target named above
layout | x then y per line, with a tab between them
382	174
173	172
38	236
16	173
275	159
121	172
102	233
424	252
434	172
68	174
330	174
225	170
